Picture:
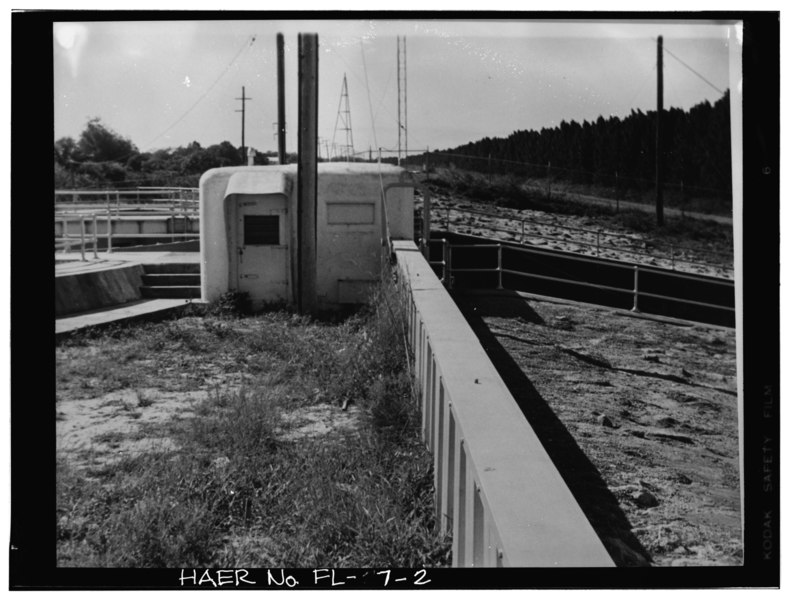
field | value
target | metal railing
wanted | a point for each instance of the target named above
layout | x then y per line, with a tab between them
81	206
599	235
448	271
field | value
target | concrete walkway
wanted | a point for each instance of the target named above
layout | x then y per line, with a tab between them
70	264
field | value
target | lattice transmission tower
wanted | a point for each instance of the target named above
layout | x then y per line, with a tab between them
345	150
402	100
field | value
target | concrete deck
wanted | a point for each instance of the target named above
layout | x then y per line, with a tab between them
69	264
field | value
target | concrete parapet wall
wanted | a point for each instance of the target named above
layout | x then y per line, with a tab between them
497	490
97	289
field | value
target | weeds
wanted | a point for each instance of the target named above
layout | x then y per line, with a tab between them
238	492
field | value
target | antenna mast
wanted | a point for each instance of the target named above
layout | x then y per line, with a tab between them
343	115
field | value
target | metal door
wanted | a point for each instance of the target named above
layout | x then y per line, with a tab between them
263	248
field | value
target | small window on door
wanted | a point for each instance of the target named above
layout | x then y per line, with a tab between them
262	230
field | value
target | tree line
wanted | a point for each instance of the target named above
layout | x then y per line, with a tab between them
100	157
614	152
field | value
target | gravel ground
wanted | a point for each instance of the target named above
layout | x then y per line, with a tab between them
638	414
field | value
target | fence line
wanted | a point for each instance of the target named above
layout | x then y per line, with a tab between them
598	234
497	491
449	270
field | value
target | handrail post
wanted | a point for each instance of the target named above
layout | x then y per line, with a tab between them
82	238
95	236
109	232
635	289
173	223
500	287
65	233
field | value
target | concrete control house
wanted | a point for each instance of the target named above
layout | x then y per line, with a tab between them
249	230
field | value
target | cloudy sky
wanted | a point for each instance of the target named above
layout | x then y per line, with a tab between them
168	83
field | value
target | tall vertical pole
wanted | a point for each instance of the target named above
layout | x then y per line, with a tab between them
399	105
279	39
405	90
659	164
244	154
308	102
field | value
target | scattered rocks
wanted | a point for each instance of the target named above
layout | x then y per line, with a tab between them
604	421
661	434
666	422
644	499
654	358
684	479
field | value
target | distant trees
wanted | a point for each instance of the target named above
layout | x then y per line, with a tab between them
101	157
614	151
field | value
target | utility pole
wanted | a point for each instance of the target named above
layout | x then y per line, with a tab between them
308	103
243	122
402	99
279	39
659	163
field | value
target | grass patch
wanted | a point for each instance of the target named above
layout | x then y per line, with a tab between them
238	492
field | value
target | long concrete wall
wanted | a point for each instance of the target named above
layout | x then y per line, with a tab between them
497	490
77	292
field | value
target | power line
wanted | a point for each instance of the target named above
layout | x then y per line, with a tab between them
694	71
248	43
368	94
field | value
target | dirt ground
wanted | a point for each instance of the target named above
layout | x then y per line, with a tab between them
579	234
639	415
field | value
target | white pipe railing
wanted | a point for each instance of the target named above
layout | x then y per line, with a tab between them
496	489
63	239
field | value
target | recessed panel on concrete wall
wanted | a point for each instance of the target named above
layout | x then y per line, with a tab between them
347	213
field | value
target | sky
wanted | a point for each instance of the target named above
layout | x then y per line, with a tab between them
168	83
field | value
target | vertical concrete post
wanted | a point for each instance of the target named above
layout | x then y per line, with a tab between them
251	156
308	87
635	289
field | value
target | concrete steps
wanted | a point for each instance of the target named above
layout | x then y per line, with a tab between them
171	280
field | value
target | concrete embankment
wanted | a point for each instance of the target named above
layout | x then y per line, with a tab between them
76	292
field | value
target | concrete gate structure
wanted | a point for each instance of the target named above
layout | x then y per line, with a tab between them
249	230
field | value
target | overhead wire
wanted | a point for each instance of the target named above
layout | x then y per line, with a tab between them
248	43
693	70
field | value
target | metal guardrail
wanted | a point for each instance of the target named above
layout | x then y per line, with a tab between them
180	204
448	271
598	235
